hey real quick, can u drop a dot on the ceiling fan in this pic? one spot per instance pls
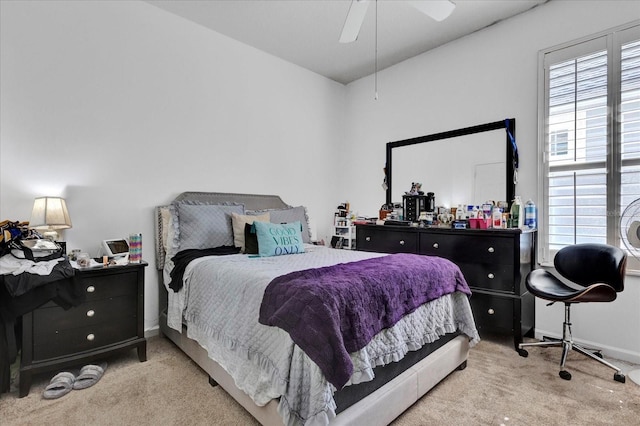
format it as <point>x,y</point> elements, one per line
<point>436,9</point>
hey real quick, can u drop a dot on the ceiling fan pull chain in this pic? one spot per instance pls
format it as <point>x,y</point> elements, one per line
<point>375,74</point>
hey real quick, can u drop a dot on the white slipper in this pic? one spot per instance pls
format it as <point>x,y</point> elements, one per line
<point>60,385</point>
<point>89,375</point>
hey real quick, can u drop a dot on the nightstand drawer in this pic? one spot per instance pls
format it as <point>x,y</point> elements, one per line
<point>107,286</point>
<point>74,341</point>
<point>101,313</point>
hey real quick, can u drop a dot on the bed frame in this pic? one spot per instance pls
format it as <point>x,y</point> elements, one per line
<point>381,406</point>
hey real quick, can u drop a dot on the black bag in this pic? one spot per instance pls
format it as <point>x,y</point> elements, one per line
<point>11,231</point>
<point>38,250</point>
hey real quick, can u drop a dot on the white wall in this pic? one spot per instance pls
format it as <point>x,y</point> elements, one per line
<point>486,77</point>
<point>119,106</point>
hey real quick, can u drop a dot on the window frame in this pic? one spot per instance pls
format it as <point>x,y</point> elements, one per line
<point>611,41</point>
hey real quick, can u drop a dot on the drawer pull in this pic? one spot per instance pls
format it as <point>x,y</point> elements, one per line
<point>491,311</point>
<point>491,276</point>
<point>91,337</point>
<point>368,239</point>
<point>91,313</point>
<point>436,245</point>
<point>491,250</point>
<point>91,289</point>
<point>401,242</point>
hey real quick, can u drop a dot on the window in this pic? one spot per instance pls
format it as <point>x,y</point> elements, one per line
<point>558,143</point>
<point>589,138</point>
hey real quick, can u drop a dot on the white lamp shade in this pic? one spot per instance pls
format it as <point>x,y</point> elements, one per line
<point>50,213</point>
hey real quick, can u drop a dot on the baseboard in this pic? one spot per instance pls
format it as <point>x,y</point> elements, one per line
<point>152,332</point>
<point>608,351</point>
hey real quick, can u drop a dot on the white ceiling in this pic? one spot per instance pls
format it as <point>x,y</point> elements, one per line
<point>306,32</point>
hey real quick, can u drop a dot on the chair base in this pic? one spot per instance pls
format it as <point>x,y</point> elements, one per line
<point>567,344</point>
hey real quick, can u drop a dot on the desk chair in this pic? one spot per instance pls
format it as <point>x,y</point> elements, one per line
<point>596,274</point>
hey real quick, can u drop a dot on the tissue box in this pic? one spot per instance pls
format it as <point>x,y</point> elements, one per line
<point>479,223</point>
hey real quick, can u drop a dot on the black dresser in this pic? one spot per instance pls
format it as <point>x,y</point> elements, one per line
<point>495,264</point>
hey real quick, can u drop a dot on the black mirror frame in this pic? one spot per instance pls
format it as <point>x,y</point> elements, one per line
<point>511,150</point>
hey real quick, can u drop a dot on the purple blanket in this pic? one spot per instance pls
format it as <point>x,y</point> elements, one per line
<point>332,311</point>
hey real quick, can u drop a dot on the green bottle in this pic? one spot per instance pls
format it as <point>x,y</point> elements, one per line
<point>517,214</point>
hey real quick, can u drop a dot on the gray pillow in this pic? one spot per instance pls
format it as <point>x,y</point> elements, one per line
<point>292,214</point>
<point>205,225</point>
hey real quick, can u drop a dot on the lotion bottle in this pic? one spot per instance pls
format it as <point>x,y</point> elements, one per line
<point>496,219</point>
<point>517,213</point>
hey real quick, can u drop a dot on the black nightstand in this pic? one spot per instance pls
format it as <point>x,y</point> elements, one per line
<point>111,319</point>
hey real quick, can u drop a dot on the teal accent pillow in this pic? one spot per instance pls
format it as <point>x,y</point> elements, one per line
<point>279,239</point>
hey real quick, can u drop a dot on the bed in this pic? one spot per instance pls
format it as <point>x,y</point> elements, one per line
<point>226,308</point>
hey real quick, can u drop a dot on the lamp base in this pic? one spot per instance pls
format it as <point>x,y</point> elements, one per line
<point>51,235</point>
<point>634,376</point>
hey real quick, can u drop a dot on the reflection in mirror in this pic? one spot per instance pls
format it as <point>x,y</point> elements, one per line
<point>467,169</point>
<point>464,166</point>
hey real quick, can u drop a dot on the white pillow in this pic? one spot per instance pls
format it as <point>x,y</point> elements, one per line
<point>238,221</point>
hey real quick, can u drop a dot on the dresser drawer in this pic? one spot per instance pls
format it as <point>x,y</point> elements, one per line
<point>493,313</point>
<point>99,314</point>
<point>490,276</point>
<point>81,339</point>
<point>468,248</point>
<point>379,240</point>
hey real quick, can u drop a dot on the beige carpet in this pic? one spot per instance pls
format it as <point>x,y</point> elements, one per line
<point>497,388</point>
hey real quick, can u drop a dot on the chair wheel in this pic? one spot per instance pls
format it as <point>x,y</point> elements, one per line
<point>565,375</point>
<point>619,377</point>
<point>523,353</point>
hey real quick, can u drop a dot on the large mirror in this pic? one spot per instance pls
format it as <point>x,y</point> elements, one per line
<point>464,166</point>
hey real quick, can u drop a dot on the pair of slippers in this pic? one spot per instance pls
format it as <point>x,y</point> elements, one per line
<point>62,383</point>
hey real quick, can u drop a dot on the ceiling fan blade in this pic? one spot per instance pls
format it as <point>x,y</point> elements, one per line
<point>436,9</point>
<point>355,17</point>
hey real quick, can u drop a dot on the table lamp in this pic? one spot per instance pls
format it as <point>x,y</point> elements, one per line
<point>49,215</point>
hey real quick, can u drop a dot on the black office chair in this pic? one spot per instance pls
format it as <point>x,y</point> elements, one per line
<point>596,274</point>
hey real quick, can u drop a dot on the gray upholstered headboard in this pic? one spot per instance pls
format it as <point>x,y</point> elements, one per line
<point>250,201</point>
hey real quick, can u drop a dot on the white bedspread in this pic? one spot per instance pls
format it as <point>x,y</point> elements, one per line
<point>220,301</point>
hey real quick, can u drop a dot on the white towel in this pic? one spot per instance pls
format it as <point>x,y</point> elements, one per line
<point>10,264</point>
